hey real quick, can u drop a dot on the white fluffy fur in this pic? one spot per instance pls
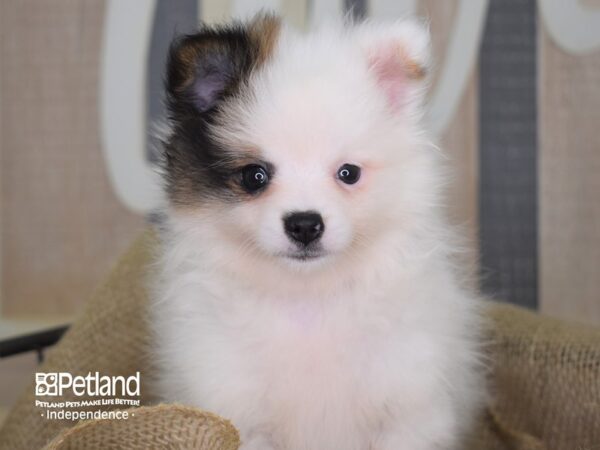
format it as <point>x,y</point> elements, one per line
<point>370,347</point>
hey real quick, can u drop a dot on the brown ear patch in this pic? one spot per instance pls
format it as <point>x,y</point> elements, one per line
<point>395,71</point>
<point>264,31</point>
<point>412,69</point>
<point>210,65</point>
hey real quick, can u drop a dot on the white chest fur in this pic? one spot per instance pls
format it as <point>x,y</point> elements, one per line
<point>350,371</point>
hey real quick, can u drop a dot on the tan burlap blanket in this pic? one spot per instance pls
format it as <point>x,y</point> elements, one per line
<point>544,378</point>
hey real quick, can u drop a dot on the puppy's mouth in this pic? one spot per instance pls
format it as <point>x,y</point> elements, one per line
<point>306,254</point>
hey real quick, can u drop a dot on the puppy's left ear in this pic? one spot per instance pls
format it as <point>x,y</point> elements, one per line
<point>398,57</point>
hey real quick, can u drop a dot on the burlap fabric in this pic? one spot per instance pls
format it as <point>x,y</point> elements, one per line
<point>544,376</point>
<point>544,380</point>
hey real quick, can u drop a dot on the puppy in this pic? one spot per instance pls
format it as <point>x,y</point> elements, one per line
<point>307,290</point>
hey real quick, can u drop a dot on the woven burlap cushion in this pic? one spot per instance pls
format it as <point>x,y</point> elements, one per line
<point>544,375</point>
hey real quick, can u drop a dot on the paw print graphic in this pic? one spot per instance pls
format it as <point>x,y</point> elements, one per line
<point>46,384</point>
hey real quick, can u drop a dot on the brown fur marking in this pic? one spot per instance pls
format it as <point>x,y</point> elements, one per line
<point>264,30</point>
<point>412,69</point>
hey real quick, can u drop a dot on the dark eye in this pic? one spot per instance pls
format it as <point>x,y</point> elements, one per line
<point>254,177</point>
<point>349,173</point>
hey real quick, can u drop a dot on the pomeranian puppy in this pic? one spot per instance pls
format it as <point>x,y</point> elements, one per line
<point>307,290</point>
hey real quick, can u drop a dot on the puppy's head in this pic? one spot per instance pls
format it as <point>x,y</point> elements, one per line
<point>299,151</point>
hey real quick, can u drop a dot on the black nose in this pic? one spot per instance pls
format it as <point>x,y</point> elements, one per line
<point>304,227</point>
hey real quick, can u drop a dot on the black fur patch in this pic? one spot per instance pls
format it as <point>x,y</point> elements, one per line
<point>203,70</point>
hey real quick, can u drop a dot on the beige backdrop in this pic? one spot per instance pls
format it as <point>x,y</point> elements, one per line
<point>569,182</point>
<point>62,226</point>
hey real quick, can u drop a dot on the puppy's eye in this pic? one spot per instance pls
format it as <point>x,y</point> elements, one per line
<point>349,173</point>
<point>254,177</point>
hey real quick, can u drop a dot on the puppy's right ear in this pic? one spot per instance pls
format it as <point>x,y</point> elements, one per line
<point>398,56</point>
<point>208,66</point>
<point>205,67</point>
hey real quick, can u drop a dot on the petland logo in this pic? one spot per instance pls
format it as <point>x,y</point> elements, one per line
<point>104,397</point>
<point>93,384</point>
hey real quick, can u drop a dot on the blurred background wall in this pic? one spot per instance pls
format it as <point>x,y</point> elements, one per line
<point>515,103</point>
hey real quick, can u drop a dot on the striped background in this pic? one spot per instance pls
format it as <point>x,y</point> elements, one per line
<point>523,142</point>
